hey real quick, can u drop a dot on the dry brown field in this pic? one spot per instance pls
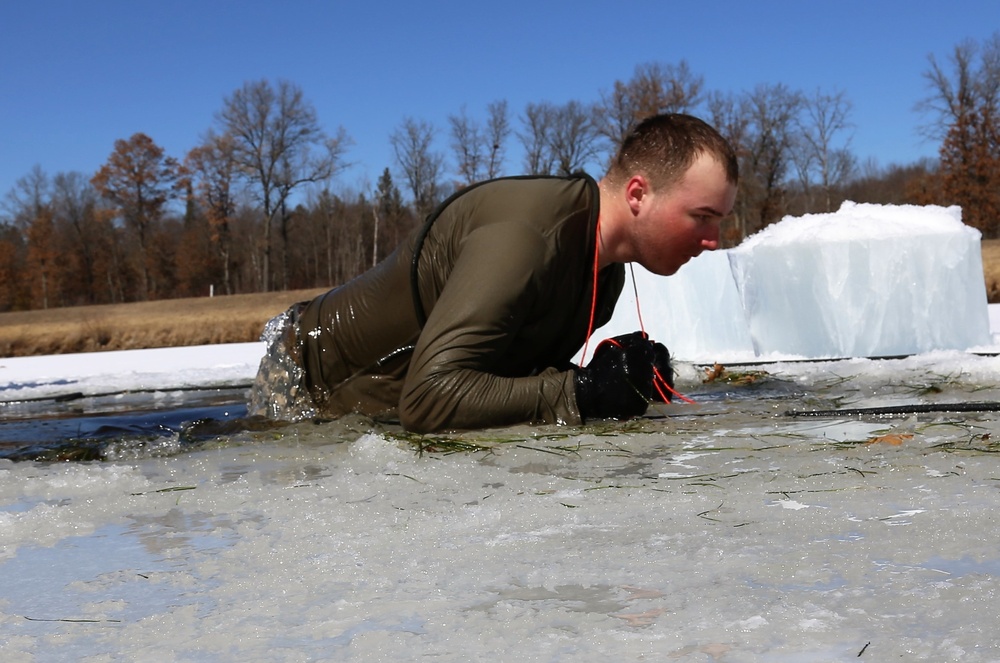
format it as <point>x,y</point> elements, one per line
<point>201,321</point>
<point>991,269</point>
<point>164,323</point>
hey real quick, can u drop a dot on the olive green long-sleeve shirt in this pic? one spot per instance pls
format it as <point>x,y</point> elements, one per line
<point>505,278</point>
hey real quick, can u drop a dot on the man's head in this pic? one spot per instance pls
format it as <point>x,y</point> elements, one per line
<point>666,193</point>
<point>663,147</point>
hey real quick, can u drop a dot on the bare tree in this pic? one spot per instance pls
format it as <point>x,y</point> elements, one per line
<point>419,164</point>
<point>964,113</point>
<point>815,153</point>
<point>324,206</point>
<point>497,132</point>
<point>27,197</point>
<point>653,89</point>
<point>29,206</point>
<point>75,202</point>
<point>537,121</point>
<point>971,86</point>
<point>467,143</point>
<point>389,210</point>
<point>480,150</point>
<point>279,147</point>
<point>573,139</point>
<point>213,168</point>
<point>729,113</point>
<point>558,140</point>
<point>772,113</point>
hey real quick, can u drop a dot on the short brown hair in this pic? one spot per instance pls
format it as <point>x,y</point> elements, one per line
<point>663,147</point>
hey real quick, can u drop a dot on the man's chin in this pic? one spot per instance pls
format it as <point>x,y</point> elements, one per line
<point>673,269</point>
<point>665,270</point>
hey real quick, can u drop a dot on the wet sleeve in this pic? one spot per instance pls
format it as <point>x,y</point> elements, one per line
<point>453,380</point>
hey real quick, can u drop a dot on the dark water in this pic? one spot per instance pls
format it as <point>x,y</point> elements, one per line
<point>142,423</point>
<point>154,423</point>
<point>79,427</point>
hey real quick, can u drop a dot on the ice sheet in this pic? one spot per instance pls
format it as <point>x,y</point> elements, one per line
<point>725,532</point>
<point>102,372</point>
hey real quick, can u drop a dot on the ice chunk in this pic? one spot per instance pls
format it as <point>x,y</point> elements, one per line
<point>865,281</point>
<point>696,313</point>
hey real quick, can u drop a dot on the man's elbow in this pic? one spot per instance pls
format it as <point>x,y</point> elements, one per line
<point>416,417</point>
<point>413,422</point>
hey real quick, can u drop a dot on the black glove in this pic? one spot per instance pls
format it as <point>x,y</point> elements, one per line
<point>663,374</point>
<point>618,382</point>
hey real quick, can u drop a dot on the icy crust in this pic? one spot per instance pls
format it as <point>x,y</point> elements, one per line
<point>862,222</point>
<point>161,369</point>
<point>42,506</point>
<point>727,532</point>
<point>392,557</point>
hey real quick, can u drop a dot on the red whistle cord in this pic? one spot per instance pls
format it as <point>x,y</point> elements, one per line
<point>659,382</point>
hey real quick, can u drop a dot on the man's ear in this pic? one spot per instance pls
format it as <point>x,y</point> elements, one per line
<point>636,191</point>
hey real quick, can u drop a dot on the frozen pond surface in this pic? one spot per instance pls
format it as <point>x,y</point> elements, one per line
<point>727,531</point>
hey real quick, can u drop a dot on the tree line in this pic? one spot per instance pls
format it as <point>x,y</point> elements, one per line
<point>254,207</point>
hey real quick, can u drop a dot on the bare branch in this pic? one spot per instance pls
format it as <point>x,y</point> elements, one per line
<point>467,143</point>
<point>497,133</point>
<point>420,165</point>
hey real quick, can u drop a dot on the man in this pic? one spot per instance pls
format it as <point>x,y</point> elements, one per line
<point>472,322</point>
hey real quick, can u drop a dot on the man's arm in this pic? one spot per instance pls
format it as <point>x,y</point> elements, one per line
<point>452,380</point>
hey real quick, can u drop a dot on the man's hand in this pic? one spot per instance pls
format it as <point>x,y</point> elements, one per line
<point>618,382</point>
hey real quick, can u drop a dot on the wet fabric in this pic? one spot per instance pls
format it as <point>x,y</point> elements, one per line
<point>505,278</point>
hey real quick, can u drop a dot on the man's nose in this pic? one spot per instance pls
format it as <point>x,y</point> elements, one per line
<point>710,241</point>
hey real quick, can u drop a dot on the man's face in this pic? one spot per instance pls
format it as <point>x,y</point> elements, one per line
<point>679,222</point>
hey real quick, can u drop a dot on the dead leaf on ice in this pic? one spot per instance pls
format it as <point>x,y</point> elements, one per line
<point>641,618</point>
<point>716,650</point>
<point>894,439</point>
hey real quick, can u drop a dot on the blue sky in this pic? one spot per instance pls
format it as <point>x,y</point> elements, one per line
<point>75,76</point>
